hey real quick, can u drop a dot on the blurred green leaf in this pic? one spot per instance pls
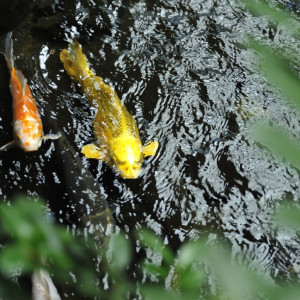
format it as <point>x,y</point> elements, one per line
<point>191,279</point>
<point>154,292</point>
<point>288,216</point>
<point>276,15</point>
<point>280,291</point>
<point>15,223</point>
<point>237,280</point>
<point>278,72</point>
<point>188,279</point>
<point>189,253</point>
<point>37,243</point>
<point>153,269</point>
<point>88,281</point>
<point>154,242</point>
<point>120,251</point>
<point>149,239</point>
<point>35,236</point>
<point>278,142</point>
<point>18,256</point>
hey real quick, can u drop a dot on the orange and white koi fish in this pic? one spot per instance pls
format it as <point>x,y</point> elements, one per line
<point>27,124</point>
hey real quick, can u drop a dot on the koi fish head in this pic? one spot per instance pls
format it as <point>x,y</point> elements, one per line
<point>28,134</point>
<point>127,156</point>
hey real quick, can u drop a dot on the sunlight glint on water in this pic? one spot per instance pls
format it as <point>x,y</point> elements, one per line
<point>180,71</point>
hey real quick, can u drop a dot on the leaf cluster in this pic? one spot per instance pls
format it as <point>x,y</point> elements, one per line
<point>279,70</point>
<point>32,242</point>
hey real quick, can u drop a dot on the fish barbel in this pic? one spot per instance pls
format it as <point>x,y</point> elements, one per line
<point>27,124</point>
<point>114,127</point>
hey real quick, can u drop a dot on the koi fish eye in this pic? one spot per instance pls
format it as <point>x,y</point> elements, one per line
<point>118,162</point>
<point>137,164</point>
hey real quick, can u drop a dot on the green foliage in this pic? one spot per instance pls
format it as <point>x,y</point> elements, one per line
<point>120,260</point>
<point>279,141</point>
<point>275,15</point>
<point>119,257</point>
<point>149,240</point>
<point>288,215</point>
<point>278,68</point>
<point>197,264</point>
<point>279,71</point>
<point>33,242</point>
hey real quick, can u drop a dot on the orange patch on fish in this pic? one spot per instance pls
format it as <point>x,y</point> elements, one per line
<point>27,121</point>
<point>28,128</point>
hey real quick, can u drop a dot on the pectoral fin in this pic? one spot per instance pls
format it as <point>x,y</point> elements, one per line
<point>8,145</point>
<point>52,136</point>
<point>92,151</point>
<point>150,148</point>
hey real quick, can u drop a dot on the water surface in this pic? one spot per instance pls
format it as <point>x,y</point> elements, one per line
<point>182,71</point>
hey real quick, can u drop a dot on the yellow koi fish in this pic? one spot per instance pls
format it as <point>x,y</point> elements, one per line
<point>115,129</point>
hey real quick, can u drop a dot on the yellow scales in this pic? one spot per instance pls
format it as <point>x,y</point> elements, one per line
<point>114,127</point>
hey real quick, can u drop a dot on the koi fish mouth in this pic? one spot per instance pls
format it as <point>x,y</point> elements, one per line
<point>31,146</point>
<point>129,172</point>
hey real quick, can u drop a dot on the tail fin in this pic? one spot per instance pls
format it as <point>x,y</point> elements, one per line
<point>75,62</point>
<point>9,56</point>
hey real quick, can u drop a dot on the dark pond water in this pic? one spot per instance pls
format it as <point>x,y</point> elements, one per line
<point>181,71</point>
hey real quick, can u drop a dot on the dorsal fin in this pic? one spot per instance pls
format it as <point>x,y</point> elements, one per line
<point>23,80</point>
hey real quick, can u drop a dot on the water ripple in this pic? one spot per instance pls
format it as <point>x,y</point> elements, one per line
<point>180,70</point>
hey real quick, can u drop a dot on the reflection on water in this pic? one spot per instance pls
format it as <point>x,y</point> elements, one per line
<point>180,71</point>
